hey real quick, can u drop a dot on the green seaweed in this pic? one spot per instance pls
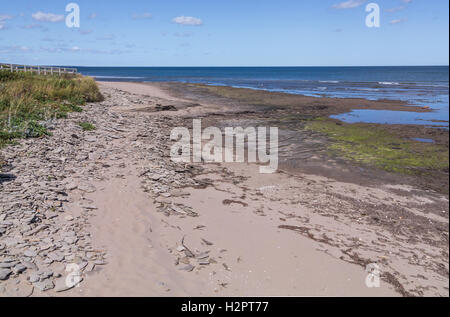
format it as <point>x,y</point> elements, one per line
<point>375,147</point>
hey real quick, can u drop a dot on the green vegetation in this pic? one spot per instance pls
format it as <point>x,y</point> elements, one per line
<point>86,126</point>
<point>375,147</point>
<point>27,100</point>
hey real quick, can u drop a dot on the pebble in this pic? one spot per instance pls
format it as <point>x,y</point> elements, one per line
<point>4,273</point>
<point>188,268</point>
<point>179,193</point>
<point>88,188</point>
<point>56,256</point>
<point>34,277</point>
<point>202,256</point>
<point>90,267</point>
<point>207,242</point>
<point>71,186</point>
<point>71,240</point>
<point>30,265</point>
<point>8,265</point>
<point>44,285</point>
<point>68,218</point>
<point>19,268</point>
<point>30,253</point>
<point>82,265</point>
<point>180,248</point>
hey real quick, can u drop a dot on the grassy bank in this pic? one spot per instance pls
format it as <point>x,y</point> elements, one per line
<point>376,147</point>
<point>28,100</point>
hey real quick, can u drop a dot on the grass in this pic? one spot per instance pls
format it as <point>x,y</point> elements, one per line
<point>375,147</point>
<point>28,100</point>
<point>86,126</point>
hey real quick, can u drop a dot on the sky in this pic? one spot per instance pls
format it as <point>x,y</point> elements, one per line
<point>224,33</point>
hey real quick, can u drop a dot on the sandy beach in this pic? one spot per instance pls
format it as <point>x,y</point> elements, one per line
<point>138,224</point>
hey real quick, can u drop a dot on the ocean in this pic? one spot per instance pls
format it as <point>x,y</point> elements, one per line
<point>418,85</point>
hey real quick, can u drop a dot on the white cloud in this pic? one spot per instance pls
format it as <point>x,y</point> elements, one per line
<point>60,49</point>
<point>397,21</point>
<point>24,48</point>
<point>349,4</point>
<point>92,16</point>
<point>47,17</point>
<point>187,20</point>
<point>15,49</point>
<point>3,18</point>
<point>400,8</point>
<point>142,16</point>
<point>76,49</point>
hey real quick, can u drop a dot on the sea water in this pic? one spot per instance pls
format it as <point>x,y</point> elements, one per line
<point>425,86</point>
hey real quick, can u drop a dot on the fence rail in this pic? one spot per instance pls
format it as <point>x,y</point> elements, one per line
<point>44,70</point>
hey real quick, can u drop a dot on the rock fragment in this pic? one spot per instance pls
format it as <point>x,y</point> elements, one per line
<point>4,274</point>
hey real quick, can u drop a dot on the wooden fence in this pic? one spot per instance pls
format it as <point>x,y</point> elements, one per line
<point>41,70</point>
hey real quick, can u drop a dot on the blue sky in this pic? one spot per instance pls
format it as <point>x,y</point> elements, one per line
<point>225,33</point>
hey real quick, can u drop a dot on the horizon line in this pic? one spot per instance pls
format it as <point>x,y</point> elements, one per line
<point>124,66</point>
<point>228,66</point>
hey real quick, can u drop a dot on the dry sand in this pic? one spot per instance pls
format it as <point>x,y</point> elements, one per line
<point>254,257</point>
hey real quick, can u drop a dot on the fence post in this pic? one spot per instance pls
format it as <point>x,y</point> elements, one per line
<point>11,67</point>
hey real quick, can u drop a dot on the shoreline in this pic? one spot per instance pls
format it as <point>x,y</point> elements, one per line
<point>385,104</point>
<point>155,228</point>
<point>293,114</point>
<point>393,103</point>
